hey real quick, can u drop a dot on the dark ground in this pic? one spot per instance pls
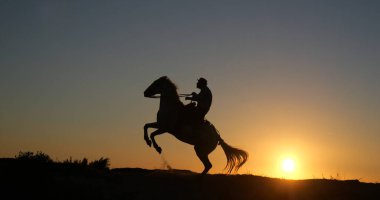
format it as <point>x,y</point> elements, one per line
<point>20,179</point>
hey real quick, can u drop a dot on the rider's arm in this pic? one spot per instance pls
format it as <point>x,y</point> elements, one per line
<point>194,97</point>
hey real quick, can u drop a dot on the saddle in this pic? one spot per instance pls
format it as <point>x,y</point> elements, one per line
<point>192,119</point>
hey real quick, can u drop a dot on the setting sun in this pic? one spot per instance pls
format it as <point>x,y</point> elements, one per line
<point>288,165</point>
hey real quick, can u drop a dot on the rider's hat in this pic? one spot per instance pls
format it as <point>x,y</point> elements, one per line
<point>202,81</point>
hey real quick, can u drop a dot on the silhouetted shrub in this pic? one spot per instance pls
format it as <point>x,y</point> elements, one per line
<point>30,156</point>
<point>102,164</point>
<point>82,163</point>
<point>40,157</point>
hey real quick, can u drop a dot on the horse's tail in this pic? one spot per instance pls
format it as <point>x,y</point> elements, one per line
<point>235,157</point>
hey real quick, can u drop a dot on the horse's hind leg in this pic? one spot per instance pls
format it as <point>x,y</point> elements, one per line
<point>146,126</point>
<point>155,145</point>
<point>202,154</point>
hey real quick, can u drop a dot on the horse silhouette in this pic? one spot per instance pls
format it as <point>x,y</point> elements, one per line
<point>175,118</point>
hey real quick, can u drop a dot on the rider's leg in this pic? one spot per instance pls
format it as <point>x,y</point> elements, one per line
<point>202,114</point>
<point>146,126</point>
<point>199,115</point>
<point>155,145</point>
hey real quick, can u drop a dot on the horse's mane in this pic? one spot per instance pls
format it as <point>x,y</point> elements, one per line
<point>172,87</point>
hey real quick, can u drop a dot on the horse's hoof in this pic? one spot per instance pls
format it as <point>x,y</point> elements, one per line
<point>149,143</point>
<point>159,150</point>
<point>205,171</point>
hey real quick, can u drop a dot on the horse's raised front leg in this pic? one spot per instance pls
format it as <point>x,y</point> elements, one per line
<point>146,126</point>
<point>155,145</point>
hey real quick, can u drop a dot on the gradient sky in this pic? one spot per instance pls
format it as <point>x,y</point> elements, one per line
<point>293,79</point>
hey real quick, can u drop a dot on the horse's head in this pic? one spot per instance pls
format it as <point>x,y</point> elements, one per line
<point>160,86</point>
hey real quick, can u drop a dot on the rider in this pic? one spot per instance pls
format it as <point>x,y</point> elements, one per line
<point>203,99</point>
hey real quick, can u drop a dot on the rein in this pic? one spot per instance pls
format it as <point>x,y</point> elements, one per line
<point>179,95</point>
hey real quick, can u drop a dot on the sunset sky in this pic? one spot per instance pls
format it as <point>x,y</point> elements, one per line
<point>295,80</point>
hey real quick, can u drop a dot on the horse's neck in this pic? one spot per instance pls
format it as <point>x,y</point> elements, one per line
<point>169,102</point>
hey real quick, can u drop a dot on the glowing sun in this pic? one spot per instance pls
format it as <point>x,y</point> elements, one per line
<point>288,165</point>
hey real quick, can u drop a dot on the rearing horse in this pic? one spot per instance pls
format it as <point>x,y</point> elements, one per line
<point>173,118</point>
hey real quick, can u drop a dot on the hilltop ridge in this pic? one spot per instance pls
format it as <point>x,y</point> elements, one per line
<point>26,179</point>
